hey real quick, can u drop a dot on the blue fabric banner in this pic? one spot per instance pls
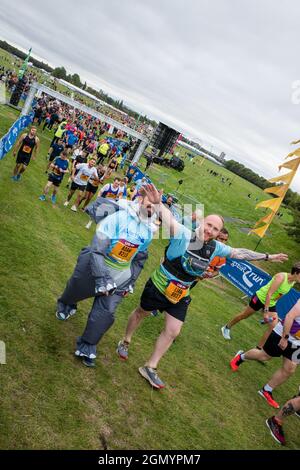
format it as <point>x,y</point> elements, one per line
<point>248,278</point>
<point>9,139</point>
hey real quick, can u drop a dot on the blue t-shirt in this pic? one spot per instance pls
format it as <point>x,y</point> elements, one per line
<point>57,149</point>
<point>177,247</point>
<point>62,164</point>
<point>128,236</point>
<point>72,139</point>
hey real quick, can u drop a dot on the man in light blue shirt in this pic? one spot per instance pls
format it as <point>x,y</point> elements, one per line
<point>108,269</point>
<point>186,258</point>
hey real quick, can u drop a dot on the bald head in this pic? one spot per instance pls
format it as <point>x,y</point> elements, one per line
<point>212,226</point>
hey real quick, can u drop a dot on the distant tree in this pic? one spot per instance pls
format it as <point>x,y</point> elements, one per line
<point>76,80</point>
<point>60,72</point>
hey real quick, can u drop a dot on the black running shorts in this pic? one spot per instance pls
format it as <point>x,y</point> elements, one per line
<point>272,349</point>
<point>54,180</point>
<point>75,186</point>
<point>23,158</point>
<point>256,304</point>
<point>153,299</point>
<point>90,188</point>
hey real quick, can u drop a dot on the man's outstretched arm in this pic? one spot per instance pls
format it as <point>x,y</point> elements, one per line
<point>249,255</point>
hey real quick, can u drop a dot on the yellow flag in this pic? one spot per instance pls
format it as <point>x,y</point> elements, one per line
<point>261,230</point>
<point>286,178</point>
<point>266,219</point>
<point>272,204</point>
<point>277,190</point>
<point>295,152</point>
<point>292,164</point>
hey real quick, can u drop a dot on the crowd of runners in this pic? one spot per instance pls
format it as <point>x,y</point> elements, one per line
<point>128,216</point>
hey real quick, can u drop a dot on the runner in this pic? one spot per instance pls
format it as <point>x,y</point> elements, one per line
<point>283,341</point>
<point>27,146</point>
<point>265,299</point>
<point>274,423</point>
<point>108,269</point>
<point>85,171</point>
<point>58,169</point>
<point>111,190</point>
<point>112,165</point>
<point>54,151</point>
<point>102,151</point>
<point>123,188</point>
<point>92,186</point>
<point>186,259</point>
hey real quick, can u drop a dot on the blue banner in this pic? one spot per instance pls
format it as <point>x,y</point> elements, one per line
<point>248,279</point>
<point>9,139</point>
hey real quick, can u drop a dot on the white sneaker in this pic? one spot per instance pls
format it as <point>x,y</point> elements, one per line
<point>226,332</point>
<point>89,224</point>
<point>74,208</point>
<point>66,203</point>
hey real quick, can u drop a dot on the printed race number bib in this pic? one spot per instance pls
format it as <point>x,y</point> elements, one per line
<point>26,149</point>
<point>84,177</point>
<point>175,291</point>
<point>95,183</point>
<point>123,251</point>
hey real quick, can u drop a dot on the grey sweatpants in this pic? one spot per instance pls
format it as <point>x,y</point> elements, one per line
<point>81,286</point>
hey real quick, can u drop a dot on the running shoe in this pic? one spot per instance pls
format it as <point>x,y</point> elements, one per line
<point>66,203</point>
<point>88,362</point>
<point>42,197</point>
<point>276,430</point>
<point>150,374</point>
<point>226,332</point>
<point>268,397</point>
<point>53,198</point>
<point>236,361</point>
<point>122,350</point>
<point>65,315</point>
<point>74,208</point>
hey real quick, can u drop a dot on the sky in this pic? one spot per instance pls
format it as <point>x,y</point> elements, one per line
<point>223,72</point>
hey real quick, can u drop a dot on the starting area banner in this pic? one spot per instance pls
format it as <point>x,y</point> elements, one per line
<point>9,139</point>
<point>249,279</point>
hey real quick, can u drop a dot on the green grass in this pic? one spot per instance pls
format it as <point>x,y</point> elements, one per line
<point>49,400</point>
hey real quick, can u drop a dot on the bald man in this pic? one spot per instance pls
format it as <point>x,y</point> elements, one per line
<point>186,259</point>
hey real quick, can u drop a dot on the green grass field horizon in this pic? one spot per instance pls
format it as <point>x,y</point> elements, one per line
<point>50,401</point>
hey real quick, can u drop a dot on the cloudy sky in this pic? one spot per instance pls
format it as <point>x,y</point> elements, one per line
<point>221,71</point>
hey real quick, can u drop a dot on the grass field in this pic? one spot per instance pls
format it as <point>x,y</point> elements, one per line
<point>49,400</point>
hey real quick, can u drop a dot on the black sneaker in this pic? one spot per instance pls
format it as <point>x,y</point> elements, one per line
<point>276,430</point>
<point>88,362</point>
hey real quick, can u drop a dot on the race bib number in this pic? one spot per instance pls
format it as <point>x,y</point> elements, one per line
<point>95,183</point>
<point>84,177</point>
<point>56,171</point>
<point>26,149</point>
<point>111,195</point>
<point>175,291</point>
<point>123,251</point>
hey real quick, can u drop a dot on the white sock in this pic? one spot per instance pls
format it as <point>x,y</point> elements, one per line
<point>267,388</point>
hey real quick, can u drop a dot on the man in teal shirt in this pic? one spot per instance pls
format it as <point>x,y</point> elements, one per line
<point>186,258</point>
